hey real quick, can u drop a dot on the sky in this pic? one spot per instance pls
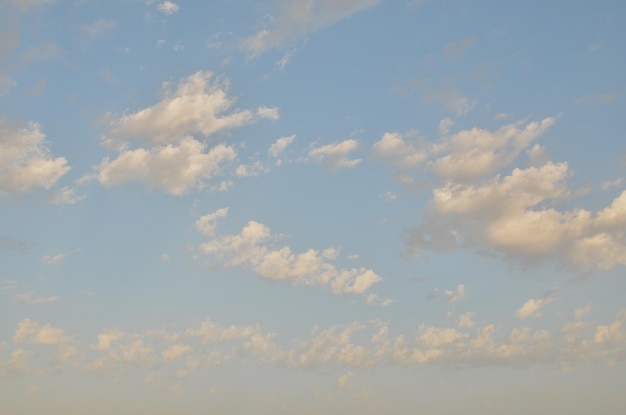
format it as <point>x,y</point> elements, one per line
<point>312,207</point>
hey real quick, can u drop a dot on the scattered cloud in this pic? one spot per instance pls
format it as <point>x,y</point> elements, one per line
<point>583,311</point>
<point>277,148</point>
<point>451,296</point>
<point>207,225</point>
<point>466,321</point>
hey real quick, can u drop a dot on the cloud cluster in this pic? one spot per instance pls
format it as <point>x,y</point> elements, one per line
<point>178,157</point>
<point>25,160</point>
<point>356,345</point>
<point>254,248</point>
<point>475,206</point>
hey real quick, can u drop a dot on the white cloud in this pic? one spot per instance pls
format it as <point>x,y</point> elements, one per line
<point>200,104</point>
<point>176,169</point>
<point>31,332</point>
<point>335,156</point>
<point>277,148</point>
<point>168,7</point>
<point>299,18</point>
<point>206,225</point>
<point>98,29</point>
<point>253,248</point>
<point>476,152</point>
<point>250,170</point>
<point>531,308</point>
<point>270,113</point>
<point>25,159</point>
<point>65,196</point>
<point>405,155</point>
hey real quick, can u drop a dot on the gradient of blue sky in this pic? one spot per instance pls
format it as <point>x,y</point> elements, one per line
<point>349,206</point>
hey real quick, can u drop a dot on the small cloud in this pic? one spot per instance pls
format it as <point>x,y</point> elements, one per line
<point>353,257</point>
<point>389,196</point>
<point>55,259</point>
<point>65,196</point>
<point>178,47</point>
<point>160,43</point>
<point>335,155</point>
<point>454,295</point>
<point>531,308</point>
<point>277,148</point>
<point>270,113</point>
<point>168,8</point>
<point>612,184</point>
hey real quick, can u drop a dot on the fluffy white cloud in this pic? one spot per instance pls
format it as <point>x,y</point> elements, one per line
<point>31,332</point>
<point>465,320</point>
<point>473,153</point>
<point>175,168</point>
<point>335,156</point>
<point>295,19</point>
<point>168,7</point>
<point>254,248</point>
<point>199,104</point>
<point>25,159</point>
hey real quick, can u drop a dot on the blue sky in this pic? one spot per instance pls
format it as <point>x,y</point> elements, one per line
<point>350,207</point>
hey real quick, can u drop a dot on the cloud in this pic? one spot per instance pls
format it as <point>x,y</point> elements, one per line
<point>31,332</point>
<point>531,308</point>
<point>65,196</point>
<point>28,299</point>
<point>199,105</point>
<point>25,160</point>
<point>206,224</point>
<point>335,156</point>
<point>176,169</point>
<point>456,50</point>
<point>477,152</point>
<point>451,296</point>
<point>55,259</point>
<point>168,8</point>
<point>295,19</point>
<point>98,29</point>
<point>254,248</point>
<point>175,351</point>
<point>277,148</point>
<point>343,380</point>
